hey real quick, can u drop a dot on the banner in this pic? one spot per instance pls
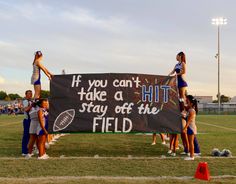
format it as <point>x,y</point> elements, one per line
<point>111,102</point>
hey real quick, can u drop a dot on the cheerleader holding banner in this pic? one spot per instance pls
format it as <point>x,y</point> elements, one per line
<point>180,71</point>
<point>36,76</point>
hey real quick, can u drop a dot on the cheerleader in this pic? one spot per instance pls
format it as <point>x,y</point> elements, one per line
<point>180,71</point>
<point>190,127</point>
<point>36,76</point>
<point>42,128</point>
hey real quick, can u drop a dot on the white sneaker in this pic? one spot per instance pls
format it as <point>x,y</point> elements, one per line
<point>164,142</point>
<point>28,156</point>
<point>197,154</point>
<point>23,154</point>
<point>44,157</point>
<point>189,158</point>
<point>173,154</point>
<point>169,152</point>
<point>153,143</point>
<point>183,153</point>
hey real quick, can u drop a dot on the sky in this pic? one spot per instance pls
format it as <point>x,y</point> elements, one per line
<point>117,36</point>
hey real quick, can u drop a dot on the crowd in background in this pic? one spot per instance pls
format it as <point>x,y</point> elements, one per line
<point>12,108</point>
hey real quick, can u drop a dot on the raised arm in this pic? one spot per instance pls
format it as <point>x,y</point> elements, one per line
<point>45,70</point>
<point>172,72</point>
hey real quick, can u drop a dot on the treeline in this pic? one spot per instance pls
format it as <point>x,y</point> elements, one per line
<point>223,99</point>
<point>14,96</point>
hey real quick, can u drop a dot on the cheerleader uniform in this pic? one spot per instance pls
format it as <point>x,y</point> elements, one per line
<point>34,120</point>
<point>180,80</point>
<point>192,128</point>
<point>36,76</point>
<point>45,123</point>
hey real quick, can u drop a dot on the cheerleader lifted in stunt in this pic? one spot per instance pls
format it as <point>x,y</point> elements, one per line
<point>36,76</point>
<point>180,71</point>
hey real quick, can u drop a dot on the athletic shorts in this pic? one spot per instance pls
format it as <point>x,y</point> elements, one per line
<point>190,131</point>
<point>181,82</point>
<point>36,80</point>
<point>40,130</point>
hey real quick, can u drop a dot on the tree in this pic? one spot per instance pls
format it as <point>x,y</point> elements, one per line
<point>3,95</point>
<point>223,99</point>
<point>13,96</point>
<point>45,94</point>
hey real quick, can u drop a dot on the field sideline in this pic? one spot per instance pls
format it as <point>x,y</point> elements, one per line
<point>116,158</point>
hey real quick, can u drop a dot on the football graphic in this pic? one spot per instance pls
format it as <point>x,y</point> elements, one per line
<point>63,120</point>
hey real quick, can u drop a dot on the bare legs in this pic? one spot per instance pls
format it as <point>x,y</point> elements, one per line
<point>191,145</point>
<point>37,91</point>
<point>41,144</point>
<point>32,140</point>
<point>154,138</point>
<point>182,98</point>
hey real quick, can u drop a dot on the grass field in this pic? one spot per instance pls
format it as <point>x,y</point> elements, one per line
<point>116,158</point>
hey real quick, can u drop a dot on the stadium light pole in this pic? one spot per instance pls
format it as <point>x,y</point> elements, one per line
<point>219,22</point>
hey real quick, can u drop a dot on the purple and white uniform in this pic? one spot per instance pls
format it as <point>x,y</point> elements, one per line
<point>36,76</point>
<point>181,81</point>
<point>192,128</point>
<point>45,122</point>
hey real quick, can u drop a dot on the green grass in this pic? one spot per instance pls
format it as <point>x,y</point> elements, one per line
<point>116,145</point>
<point>113,181</point>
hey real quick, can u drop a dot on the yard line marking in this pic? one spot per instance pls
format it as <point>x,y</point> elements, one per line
<point>226,128</point>
<point>149,178</point>
<point>129,157</point>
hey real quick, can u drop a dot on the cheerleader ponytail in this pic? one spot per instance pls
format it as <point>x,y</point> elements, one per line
<point>194,102</point>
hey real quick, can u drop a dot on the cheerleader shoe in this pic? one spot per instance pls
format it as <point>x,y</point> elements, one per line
<point>173,154</point>
<point>44,157</point>
<point>28,156</point>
